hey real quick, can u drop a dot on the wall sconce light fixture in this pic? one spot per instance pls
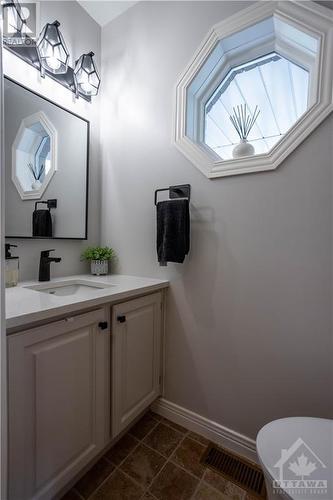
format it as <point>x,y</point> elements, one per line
<point>49,54</point>
<point>86,77</point>
<point>52,51</point>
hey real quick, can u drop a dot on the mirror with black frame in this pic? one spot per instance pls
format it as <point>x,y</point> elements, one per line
<point>46,159</point>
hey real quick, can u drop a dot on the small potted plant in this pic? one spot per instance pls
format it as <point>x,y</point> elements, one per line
<point>99,258</point>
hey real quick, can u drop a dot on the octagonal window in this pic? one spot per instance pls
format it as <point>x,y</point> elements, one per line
<point>34,156</point>
<point>272,88</point>
<point>257,86</point>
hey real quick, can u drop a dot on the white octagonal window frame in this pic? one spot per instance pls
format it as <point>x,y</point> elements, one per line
<point>310,18</point>
<point>36,118</point>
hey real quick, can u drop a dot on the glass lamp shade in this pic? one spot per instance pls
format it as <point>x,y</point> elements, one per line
<point>86,77</point>
<point>16,21</point>
<point>52,51</point>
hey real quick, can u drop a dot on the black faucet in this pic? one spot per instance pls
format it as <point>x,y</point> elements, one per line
<point>44,264</point>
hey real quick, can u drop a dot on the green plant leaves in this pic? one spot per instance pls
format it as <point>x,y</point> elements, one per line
<point>98,253</point>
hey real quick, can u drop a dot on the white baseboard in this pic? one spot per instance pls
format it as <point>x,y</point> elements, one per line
<point>234,441</point>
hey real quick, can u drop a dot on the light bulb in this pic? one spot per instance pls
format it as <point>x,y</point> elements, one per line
<point>53,62</point>
<point>85,86</point>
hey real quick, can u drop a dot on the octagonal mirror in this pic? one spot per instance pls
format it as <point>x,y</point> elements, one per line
<point>34,154</point>
<point>258,85</point>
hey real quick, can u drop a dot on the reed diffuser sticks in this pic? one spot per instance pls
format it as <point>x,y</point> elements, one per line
<point>243,121</point>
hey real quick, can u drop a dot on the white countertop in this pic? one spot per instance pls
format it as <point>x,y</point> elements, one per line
<point>24,306</point>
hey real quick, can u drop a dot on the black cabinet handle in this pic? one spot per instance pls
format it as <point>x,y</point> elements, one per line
<point>103,325</point>
<point>121,319</point>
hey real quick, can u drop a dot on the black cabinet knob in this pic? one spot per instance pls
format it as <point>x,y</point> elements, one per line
<point>103,325</point>
<point>121,319</point>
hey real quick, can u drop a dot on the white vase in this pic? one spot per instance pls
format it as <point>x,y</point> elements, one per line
<point>244,148</point>
<point>36,185</point>
<point>99,267</point>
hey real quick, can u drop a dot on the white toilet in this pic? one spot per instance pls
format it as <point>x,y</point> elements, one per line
<point>296,455</point>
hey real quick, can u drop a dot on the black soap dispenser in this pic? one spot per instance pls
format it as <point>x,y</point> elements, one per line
<point>12,267</point>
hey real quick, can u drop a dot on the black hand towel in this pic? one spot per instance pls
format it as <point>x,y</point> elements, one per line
<point>42,223</point>
<point>173,230</point>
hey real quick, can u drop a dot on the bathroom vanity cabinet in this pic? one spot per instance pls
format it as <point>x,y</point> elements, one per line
<point>136,358</point>
<point>58,402</point>
<point>75,384</point>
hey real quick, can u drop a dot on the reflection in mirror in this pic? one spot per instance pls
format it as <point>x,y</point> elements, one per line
<point>46,161</point>
<point>34,156</point>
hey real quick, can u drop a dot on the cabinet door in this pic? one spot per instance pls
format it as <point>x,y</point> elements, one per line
<point>136,353</point>
<point>58,403</point>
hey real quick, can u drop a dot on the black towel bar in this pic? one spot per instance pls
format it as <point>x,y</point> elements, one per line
<point>50,203</point>
<point>181,191</point>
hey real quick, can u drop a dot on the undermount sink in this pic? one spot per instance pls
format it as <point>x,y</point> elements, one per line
<point>69,287</point>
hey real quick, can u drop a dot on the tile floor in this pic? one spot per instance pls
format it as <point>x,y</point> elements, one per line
<point>156,460</point>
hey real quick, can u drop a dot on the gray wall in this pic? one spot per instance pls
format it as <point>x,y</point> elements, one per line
<point>81,34</point>
<point>249,333</point>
